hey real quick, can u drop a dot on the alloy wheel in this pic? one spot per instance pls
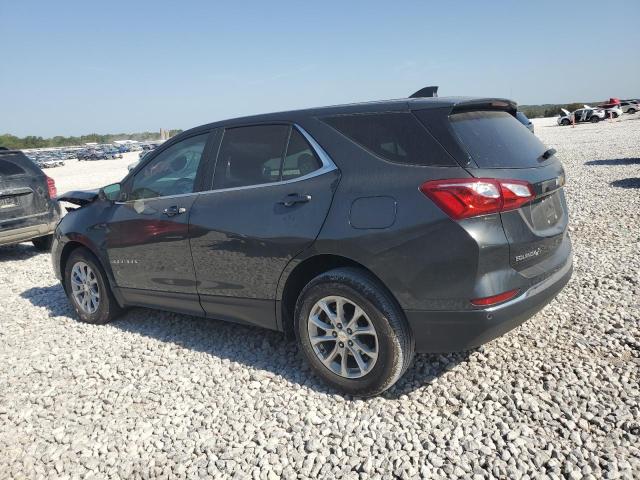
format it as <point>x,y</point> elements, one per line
<point>343,337</point>
<point>85,288</point>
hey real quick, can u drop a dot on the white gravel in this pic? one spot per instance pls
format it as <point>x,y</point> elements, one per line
<point>163,395</point>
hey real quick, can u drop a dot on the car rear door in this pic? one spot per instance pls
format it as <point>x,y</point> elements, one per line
<point>271,193</point>
<point>147,240</point>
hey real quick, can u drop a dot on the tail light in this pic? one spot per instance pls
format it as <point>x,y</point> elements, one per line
<point>470,197</point>
<point>495,299</point>
<point>51,187</point>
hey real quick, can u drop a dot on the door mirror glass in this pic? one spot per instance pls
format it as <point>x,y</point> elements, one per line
<point>111,192</point>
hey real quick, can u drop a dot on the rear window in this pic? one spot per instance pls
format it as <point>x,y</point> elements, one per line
<point>8,168</point>
<point>397,137</point>
<point>496,139</point>
<point>12,163</point>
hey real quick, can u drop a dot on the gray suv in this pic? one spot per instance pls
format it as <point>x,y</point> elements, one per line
<point>367,231</point>
<point>28,209</point>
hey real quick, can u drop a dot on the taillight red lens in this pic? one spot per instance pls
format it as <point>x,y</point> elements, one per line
<point>515,193</point>
<point>469,197</point>
<point>51,187</point>
<point>494,299</point>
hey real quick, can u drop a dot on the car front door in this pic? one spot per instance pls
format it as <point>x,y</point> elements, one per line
<point>272,190</point>
<point>148,235</point>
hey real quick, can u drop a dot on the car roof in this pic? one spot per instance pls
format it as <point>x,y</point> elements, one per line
<point>401,104</point>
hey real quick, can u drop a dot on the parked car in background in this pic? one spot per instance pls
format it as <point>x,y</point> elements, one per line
<point>586,114</point>
<point>611,111</point>
<point>28,209</point>
<point>630,106</point>
<point>523,119</point>
<point>368,231</point>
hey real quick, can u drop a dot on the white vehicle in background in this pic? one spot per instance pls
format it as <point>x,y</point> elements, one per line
<point>612,111</point>
<point>630,106</point>
<point>586,114</point>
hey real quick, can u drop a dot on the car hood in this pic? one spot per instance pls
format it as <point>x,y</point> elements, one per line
<point>79,197</point>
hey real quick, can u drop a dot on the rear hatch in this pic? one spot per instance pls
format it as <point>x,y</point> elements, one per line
<point>491,143</point>
<point>23,191</point>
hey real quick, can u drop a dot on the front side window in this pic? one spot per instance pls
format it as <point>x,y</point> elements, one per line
<point>171,172</point>
<point>250,156</point>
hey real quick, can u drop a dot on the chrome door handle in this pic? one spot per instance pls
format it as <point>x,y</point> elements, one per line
<point>173,210</point>
<point>292,199</point>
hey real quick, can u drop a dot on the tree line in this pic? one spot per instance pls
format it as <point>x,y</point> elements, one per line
<point>14,143</point>
<point>550,109</point>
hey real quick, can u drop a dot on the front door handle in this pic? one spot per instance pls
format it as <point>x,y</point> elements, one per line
<point>293,198</point>
<point>173,210</point>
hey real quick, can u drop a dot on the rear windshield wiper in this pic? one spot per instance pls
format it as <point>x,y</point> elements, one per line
<point>547,154</point>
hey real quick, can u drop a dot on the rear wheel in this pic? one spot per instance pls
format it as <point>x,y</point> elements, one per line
<point>43,244</point>
<point>631,111</point>
<point>88,289</point>
<point>595,119</point>
<point>352,332</point>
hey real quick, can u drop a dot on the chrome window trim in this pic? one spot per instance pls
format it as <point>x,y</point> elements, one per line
<point>325,160</point>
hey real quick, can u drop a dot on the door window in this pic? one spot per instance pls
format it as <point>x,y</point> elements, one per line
<point>300,159</point>
<point>171,172</point>
<point>250,156</point>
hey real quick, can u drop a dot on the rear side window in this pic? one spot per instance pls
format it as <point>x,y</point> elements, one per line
<point>496,139</point>
<point>250,156</point>
<point>300,159</point>
<point>394,136</point>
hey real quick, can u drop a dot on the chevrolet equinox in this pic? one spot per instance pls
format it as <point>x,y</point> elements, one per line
<point>369,231</point>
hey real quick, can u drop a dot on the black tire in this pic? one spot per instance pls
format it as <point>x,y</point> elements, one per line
<point>614,114</point>
<point>595,119</point>
<point>631,111</point>
<point>565,122</point>
<point>108,308</point>
<point>43,244</point>
<point>396,344</point>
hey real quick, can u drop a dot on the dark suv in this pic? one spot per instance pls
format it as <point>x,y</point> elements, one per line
<point>369,231</point>
<point>28,210</point>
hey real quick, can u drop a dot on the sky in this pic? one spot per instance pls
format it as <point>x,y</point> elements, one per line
<point>76,67</point>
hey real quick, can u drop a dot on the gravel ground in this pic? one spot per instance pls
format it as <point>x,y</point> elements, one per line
<point>164,395</point>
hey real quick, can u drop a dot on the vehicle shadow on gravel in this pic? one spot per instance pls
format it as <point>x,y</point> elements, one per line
<point>18,252</point>
<point>260,348</point>
<point>615,161</point>
<point>626,183</point>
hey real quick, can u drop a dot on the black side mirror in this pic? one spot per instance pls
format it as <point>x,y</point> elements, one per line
<point>110,192</point>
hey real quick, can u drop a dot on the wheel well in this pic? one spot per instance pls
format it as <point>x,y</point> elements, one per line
<point>64,256</point>
<point>302,274</point>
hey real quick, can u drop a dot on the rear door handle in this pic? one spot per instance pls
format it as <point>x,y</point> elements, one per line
<point>173,210</point>
<point>293,198</point>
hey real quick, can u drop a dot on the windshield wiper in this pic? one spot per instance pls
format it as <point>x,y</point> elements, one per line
<point>547,154</point>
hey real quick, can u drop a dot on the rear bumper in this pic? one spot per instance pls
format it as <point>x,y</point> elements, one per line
<point>24,234</point>
<point>454,331</point>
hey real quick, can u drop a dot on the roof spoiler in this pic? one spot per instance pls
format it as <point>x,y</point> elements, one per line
<point>486,104</point>
<point>425,92</point>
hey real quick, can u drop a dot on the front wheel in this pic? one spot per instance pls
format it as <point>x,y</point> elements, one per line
<point>565,122</point>
<point>88,289</point>
<point>352,332</point>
